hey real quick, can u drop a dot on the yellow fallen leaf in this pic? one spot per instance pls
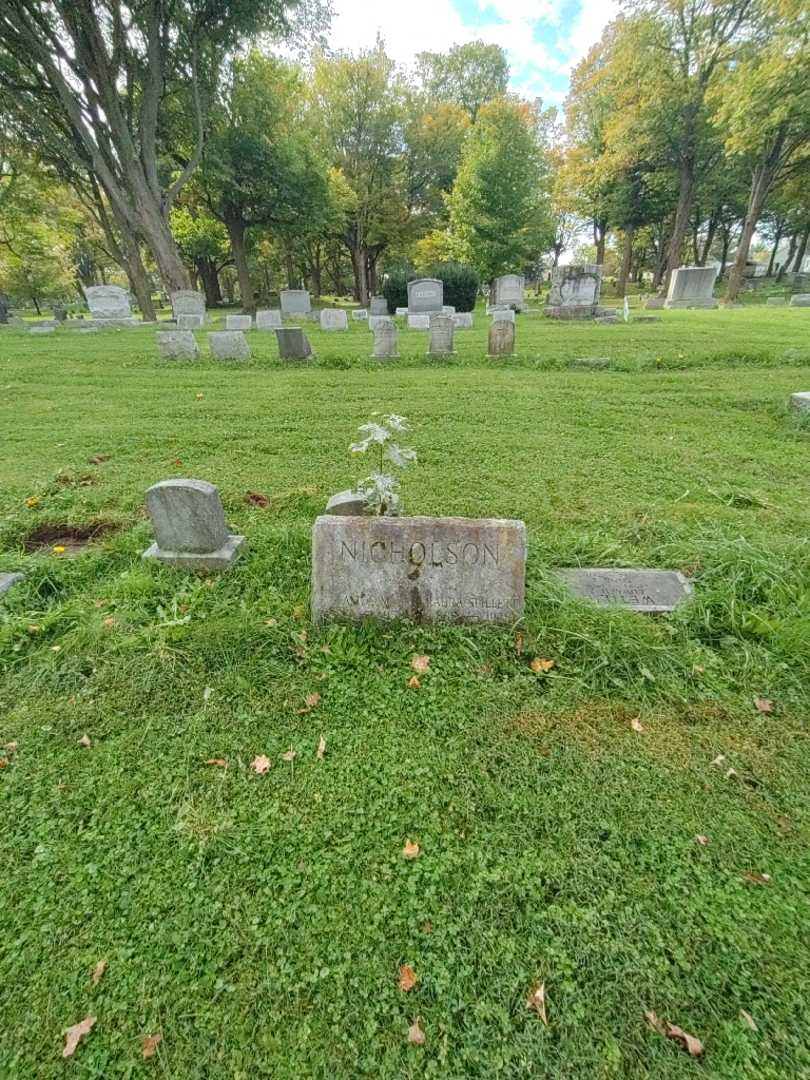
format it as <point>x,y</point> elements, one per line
<point>690,1043</point>
<point>636,725</point>
<point>703,840</point>
<point>540,665</point>
<point>150,1044</point>
<point>290,756</point>
<point>756,878</point>
<point>58,549</point>
<point>748,1019</point>
<point>411,850</point>
<point>32,502</point>
<point>98,971</point>
<point>537,1000</point>
<point>407,978</point>
<point>86,742</point>
<point>420,664</point>
<point>260,764</point>
<point>75,1034</point>
<point>219,761</point>
<point>415,1033</point>
<point>763,705</point>
<point>311,700</point>
<point>413,683</point>
<point>321,748</point>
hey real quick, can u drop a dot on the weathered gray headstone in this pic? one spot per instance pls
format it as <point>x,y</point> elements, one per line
<point>295,302</point>
<point>375,321</point>
<point>268,319</point>
<point>503,315</point>
<point>574,291</point>
<point>347,504</point>
<point>460,570</point>
<point>177,345</point>
<point>508,289</point>
<point>293,343</point>
<point>425,296</point>
<point>655,303</point>
<point>776,301</point>
<point>238,322</point>
<point>801,401</point>
<point>334,319</point>
<point>190,322</point>
<point>7,581</point>
<point>378,305</point>
<point>360,315</point>
<point>108,302</point>
<point>800,300</point>
<point>448,309</point>
<point>43,329</point>
<point>441,335</point>
<point>401,312</point>
<point>418,322</point>
<point>651,591</point>
<point>188,302</point>
<point>501,340</point>
<point>189,524</point>
<point>386,340</point>
<point>463,320</point>
<point>692,287</point>
<point>228,345</point>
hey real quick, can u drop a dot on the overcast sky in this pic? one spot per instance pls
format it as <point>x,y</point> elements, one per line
<point>542,38</point>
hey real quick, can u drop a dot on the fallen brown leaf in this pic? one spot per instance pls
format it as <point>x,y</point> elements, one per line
<point>75,1034</point>
<point>319,753</point>
<point>407,978</point>
<point>763,705</point>
<point>748,1019</point>
<point>540,665</point>
<point>260,764</point>
<point>537,1000</point>
<point>415,1033</point>
<point>690,1043</point>
<point>86,742</point>
<point>150,1044</point>
<point>10,747</point>
<point>312,700</point>
<point>219,761</point>
<point>637,725</point>
<point>98,971</point>
<point>411,850</point>
<point>98,459</point>
<point>413,683</point>
<point>255,498</point>
<point>703,840</point>
<point>290,756</point>
<point>3,762</point>
<point>655,1022</point>
<point>420,664</point>
<point>756,878</point>
<point>519,643</point>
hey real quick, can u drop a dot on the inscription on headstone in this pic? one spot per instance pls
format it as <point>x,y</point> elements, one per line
<point>441,335</point>
<point>108,302</point>
<point>334,319</point>
<point>501,338</point>
<point>425,296</point>
<point>650,591</point>
<point>508,289</point>
<point>386,340</point>
<point>461,570</point>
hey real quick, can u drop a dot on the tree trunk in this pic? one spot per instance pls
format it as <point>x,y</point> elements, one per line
<point>207,273</point>
<point>627,260</point>
<point>683,212</point>
<point>724,252</point>
<point>802,252</point>
<point>777,241</point>
<point>289,262</point>
<point>154,229</point>
<point>761,182</point>
<point>236,234</point>
<point>139,281</point>
<point>360,267</point>
<point>711,232</point>
<point>599,236</point>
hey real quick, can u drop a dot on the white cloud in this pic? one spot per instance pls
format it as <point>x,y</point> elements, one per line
<point>587,27</point>
<point>407,28</point>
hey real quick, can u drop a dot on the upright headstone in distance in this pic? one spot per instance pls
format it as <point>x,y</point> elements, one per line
<point>692,287</point>
<point>418,322</point>
<point>295,302</point>
<point>378,305</point>
<point>293,343</point>
<point>379,320</point>
<point>360,315</point>
<point>268,319</point>
<point>649,591</point>
<point>463,320</point>
<point>503,315</point>
<point>238,322</point>
<point>776,301</point>
<point>228,345</point>
<point>401,312</point>
<point>425,296</point>
<point>334,319</point>
<point>189,524</point>
<point>441,335</point>
<point>347,504</point>
<point>177,345</point>
<point>189,322</point>
<point>386,340</point>
<point>797,300</point>
<point>501,338</point>
<point>189,303</point>
<point>574,292</point>
<point>109,303</point>
<point>457,570</point>
<point>508,290</point>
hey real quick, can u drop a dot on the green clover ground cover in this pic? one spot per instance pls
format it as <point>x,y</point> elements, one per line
<point>258,922</point>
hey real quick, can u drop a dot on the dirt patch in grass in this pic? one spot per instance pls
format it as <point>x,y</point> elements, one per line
<point>73,538</point>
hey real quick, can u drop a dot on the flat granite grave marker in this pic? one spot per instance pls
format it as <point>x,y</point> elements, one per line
<point>334,319</point>
<point>295,302</point>
<point>189,322</point>
<point>425,296</point>
<point>459,570</point>
<point>228,345</point>
<point>268,319</point>
<point>189,524</point>
<point>238,322</point>
<point>776,301</point>
<point>441,335</point>
<point>177,345</point>
<point>293,343</point>
<point>501,340</point>
<point>649,591</point>
<point>386,340</point>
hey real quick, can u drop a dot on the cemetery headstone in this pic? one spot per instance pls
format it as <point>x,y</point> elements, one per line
<point>268,319</point>
<point>575,292</point>
<point>295,302</point>
<point>359,315</point>
<point>425,296</point>
<point>109,303</point>
<point>801,401</point>
<point>648,591</point>
<point>448,309</point>
<point>501,340</point>
<point>776,301</point>
<point>418,322</point>
<point>347,504</point>
<point>44,328</point>
<point>692,287</point>
<point>655,303</point>
<point>177,345</point>
<point>228,345</point>
<point>190,304</point>
<point>441,335</point>
<point>401,312</point>
<point>238,322</point>
<point>374,321</point>
<point>386,340</point>
<point>7,581</point>
<point>503,315</point>
<point>59,313</point>
<point>797,300</point>
<point>508,290</point>
<point>378,305</point>
<point>293,343</point>
<point>463,320</point>
<point>457,570</point>
<point>189,525</point>
<point>334,319</point>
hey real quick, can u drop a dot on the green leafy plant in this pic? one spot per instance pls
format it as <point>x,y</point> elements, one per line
<point>381,488</point>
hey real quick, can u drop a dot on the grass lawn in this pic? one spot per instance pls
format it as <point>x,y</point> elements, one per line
<point>259,922</point>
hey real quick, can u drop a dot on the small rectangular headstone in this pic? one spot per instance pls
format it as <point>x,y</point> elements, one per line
<point>334,319</point>
<point>189,524</point>
<point>238,322</point>
<point>418,322</point>
<point>401,312</point>
<point>649,591</point>
<point>188,302</point>
<point>177,345</point>
<point>108,302</point>
<point>386,339</point>
<point>228,345</point>
<point>448,309</point>
<point>775,301</point>
<point>375,321</point>
<point>347,504</point>
<point>442,328</point>
<point>800,300</point>
<point>425,295</point>
<point>457,570</point>
<point>293,343</point>
<point>378,305</point>
<point>463,320</point>
<point>359,315</point>
<point>501,340</point>
<point>43,329</point>
<point>268,319</point>
<point>295,302</point>
<point>692,287</point>
<point>190,322</point>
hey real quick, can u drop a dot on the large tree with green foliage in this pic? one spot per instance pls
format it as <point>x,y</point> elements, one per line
<point>469,75</point>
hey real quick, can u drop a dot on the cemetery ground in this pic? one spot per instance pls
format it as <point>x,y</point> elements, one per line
<point>625,823</point>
